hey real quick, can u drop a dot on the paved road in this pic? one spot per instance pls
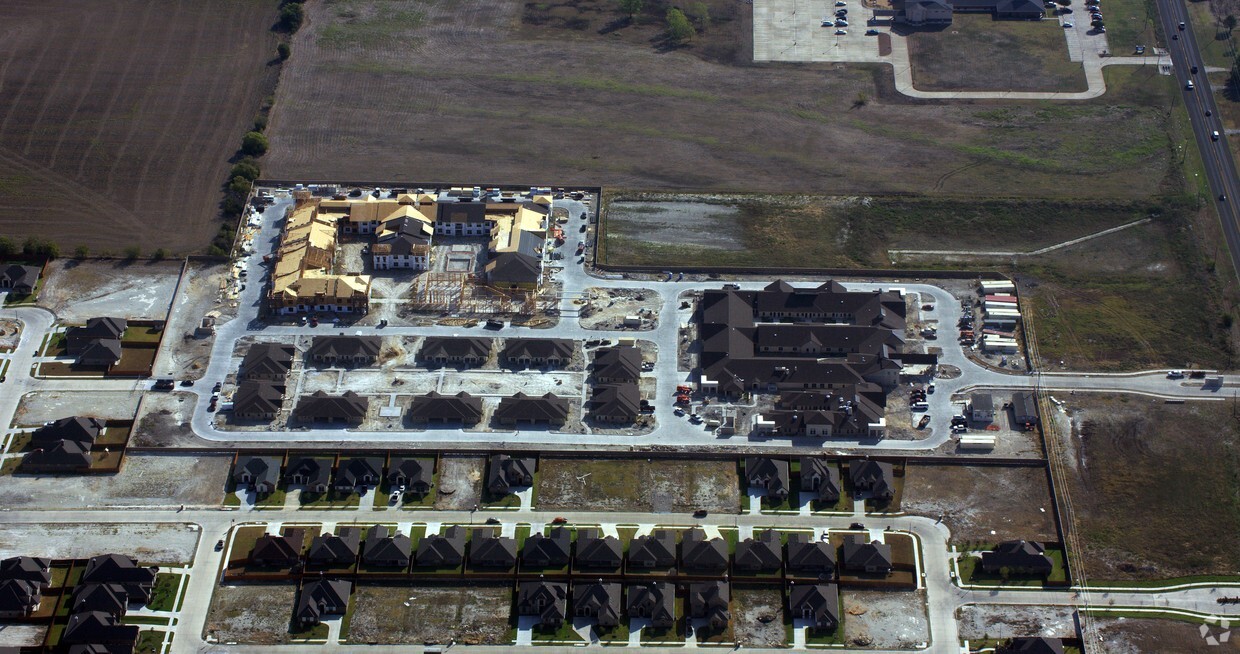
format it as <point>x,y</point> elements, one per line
<point>1215,155</point>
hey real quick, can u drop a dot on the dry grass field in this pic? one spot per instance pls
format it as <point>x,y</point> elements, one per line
<point>985,504</point>
<point>1154,487</point>
<point>119,116</point>
<point>499,91</point>
<point>1009,55</point>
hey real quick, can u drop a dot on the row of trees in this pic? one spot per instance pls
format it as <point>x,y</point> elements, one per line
<point>681,25</point>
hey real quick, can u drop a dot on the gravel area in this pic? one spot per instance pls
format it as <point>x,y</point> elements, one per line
<point>473,615</point>
<point>158,480</point>
<point>885,619</point>
<point>77,290</point>
<point>182,354</point>
<point>463,476</point>
<point>255,614</point>
<point>1006,621</point>
<point>44,406</point>
<point>759,618</point>
<point>21,635</point>
<point>156,544</point>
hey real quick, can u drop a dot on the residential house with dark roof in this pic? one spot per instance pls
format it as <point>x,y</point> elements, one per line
<point>554,352</point>
<point>710,600</point>
<point>505,472</point>
<point>809,556</point>
<point>1024,557</point>
<point>18,279</point>
<point>842,412</point>
<point>487,549</point>
<point>19,598</point>
<point>544,600</point>
<point>267,361</point>
<point>617,365</point>
<point>452,349</point>
<point>314,474</point>
<point>60,457</point>
<point>322,597</point>
<point>415,474</point>
<point>349,407</point>
<point>434,407</point>
<point>77,428</point>
<point>100,628</point>
<point>654,601</point>
<point>258,400</point>
<point>822,478</point>
<point>345,350</point>
<point>818,604</point>
<point>596,551</point>
<point>654,550</point>
<point>358,472</point>
<point>523,409</point>
<point>78,339</point>
<point>762,553</point>
<point>383,548</point>
<point>403,243</point>
<point>27,568</point>
<point>283,551</point>
<point>257,473</point>
<point>99,648</point>
<point>100,353</point>
<point>107,598</point>
<point>550,551</point>
<point>1033,645</point>
<point>862,556</point>
<point>442,551</point>
<point>518,264</point>
<point>701,554</point>
<point>615,403</point>
<point>1024,408</point>
<point>872,477</point>
<point>118,568</point>
<point>597,600</point>
<point>768,475</point>
<point>336,550</point>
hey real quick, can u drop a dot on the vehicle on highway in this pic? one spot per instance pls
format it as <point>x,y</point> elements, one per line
<point>1222,197</point>
<point>1214,135</point>
<point>1193,70</point>
<point>1175,37</point>
<point>1209,113</point>
<point>1189,85</point>
<point>1181,26</point>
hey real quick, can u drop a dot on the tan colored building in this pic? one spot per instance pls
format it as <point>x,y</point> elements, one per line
<point>302,278</point>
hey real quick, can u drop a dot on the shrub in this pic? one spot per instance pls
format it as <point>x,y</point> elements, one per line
<point>254,144</point>
<point>283,51</point>
<point>81,252</point>
<point>247,168</point>
<point>679,29</point>
<point>7,247</point>
<point>291,17</point>
<point>159,255</point>
<point>132,252</point>
<point>37,247</point>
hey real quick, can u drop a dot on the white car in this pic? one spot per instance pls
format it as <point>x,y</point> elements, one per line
<point>1068,25</point>
<point>841,3</point>
<point>841,23</point>
<point>841,32</point>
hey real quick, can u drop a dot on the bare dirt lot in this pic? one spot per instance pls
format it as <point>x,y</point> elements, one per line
<point>121,116</point>
<point>1139,483</point>
<point>609,308</point>
<point>155,544</point>
<point>256,614</point>
<point>165,421</point>
<point>885,619</point>
<point>1002,621</point>
<point>182,354</point>
<point>161,480</point>
<point>45,406</point>
<point>1130,636</point>
<point>78,290</point>
<point>373,80</point>
<point>462,476</point>
<point>638,485</point>
<point>473,615</point>
<point>759,617</point>
<point>982,503</point>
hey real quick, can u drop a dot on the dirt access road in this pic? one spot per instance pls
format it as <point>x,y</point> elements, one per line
<point>120,115</point>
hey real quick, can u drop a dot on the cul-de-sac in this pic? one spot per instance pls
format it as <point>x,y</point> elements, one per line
<point>494,326</point>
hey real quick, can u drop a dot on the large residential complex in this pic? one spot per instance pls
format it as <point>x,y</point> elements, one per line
<point>302,278</point>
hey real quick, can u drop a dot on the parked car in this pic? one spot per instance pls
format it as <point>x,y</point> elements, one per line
<point>841,32</point>
<point>219,545</point>
<point>700,513</point>
<point>164,385</point>
<point>871,32</point>
<point>1175,374</point>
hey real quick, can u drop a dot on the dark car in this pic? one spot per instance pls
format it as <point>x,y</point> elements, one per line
<point>856,525</point>
<point>187,382</point>
<point>700,513</point>
<point>219,545</point>
<point>1193,70</point>
<point>164,384</point>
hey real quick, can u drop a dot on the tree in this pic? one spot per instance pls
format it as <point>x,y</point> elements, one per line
<point>291,17</point>
<point>132,252</point>
<point>7,247</point>
<point>700,14</point>
<point>679,29</point>
<point>35,247</point>
<point>254,144</point>
<point>283,51</point>
<point>247,168</point>
<point>632,7</point>
<point>81,252</point>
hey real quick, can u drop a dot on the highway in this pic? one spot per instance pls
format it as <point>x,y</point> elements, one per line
<point>1215,155</point>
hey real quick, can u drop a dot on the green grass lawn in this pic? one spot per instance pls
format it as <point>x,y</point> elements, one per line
<point>329,500</point>
<point>164,594</point>
<point>142,335</point>
<point>1129,23</point>
<point>1003,55</point>
<point>149,642</point>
